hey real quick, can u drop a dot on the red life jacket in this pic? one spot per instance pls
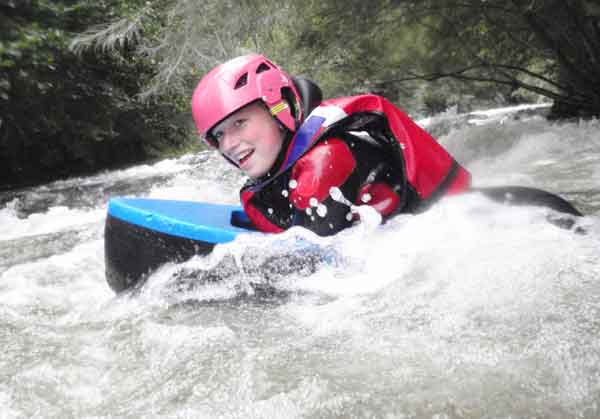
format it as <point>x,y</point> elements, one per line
<point>428,168</point>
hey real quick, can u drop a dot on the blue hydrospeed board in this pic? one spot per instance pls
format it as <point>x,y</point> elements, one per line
<point>141,234</point>
<point>193,220</point>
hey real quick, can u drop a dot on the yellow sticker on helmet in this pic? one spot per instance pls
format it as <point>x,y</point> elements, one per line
<point>278,108</point>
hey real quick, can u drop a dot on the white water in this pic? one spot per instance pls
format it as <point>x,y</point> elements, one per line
<point>471,310</point>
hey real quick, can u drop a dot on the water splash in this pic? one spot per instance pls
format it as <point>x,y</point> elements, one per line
<point>470,309</point>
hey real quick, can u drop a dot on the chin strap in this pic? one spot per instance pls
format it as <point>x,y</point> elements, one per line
<point>229,160</point>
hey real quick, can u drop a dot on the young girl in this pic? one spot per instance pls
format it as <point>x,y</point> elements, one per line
<point>311,162</point>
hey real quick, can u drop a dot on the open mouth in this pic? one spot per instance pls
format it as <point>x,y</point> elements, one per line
<point>244,158</point>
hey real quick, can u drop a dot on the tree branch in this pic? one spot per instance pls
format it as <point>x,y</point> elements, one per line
<point>460,75</point>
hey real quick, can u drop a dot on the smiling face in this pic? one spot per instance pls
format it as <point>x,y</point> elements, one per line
<point>251,138</point>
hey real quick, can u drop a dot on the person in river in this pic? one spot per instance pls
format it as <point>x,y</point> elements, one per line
<point>313,163</point>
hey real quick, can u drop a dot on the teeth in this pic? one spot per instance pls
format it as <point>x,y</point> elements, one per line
<point>244,155</point>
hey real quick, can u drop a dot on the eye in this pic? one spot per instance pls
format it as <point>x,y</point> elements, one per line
<point>238,123</point>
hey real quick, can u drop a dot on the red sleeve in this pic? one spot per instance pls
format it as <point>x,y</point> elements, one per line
<point>258,219</point>
<point>380,196</point>
<point>327,165</point>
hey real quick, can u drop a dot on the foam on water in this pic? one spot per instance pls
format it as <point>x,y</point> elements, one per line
<point>430,307</point>
<point>56,219</point>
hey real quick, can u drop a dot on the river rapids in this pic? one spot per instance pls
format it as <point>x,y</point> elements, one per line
<point>470,310</point>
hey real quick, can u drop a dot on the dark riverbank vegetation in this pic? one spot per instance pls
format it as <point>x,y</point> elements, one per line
<point>87,85</point>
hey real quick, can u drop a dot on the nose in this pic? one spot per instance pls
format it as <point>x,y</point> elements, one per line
<point>228,142</point>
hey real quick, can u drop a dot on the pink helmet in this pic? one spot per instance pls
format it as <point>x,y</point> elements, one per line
<point>238,82</point>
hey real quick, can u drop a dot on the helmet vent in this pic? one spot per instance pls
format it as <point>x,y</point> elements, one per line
<point>262,67</point>
<point>241,82</point>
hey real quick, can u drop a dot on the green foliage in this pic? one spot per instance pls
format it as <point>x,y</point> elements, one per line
<point>63,113</point>
<point>483,50</point>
